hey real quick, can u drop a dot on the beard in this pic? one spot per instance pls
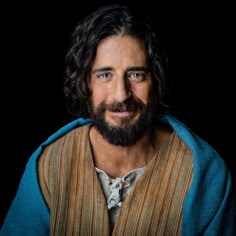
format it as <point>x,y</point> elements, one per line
<point>125,133</point>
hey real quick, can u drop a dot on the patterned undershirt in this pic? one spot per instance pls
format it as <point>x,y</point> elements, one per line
<point>116,190</point>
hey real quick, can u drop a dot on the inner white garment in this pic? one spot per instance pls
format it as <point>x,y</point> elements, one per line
<point>116,190</point>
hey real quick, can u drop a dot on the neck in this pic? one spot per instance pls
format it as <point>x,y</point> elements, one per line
<point>117,161</point>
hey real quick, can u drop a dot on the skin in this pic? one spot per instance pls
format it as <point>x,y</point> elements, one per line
<point>118,72</point>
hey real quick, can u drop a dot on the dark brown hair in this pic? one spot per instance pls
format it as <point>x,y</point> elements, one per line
<point>106,21</point>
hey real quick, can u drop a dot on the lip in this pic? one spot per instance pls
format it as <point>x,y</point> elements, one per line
<point>122,113</point>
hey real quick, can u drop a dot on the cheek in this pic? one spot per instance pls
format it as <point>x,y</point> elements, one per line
<point>98,96</point>
<point>142,92</point>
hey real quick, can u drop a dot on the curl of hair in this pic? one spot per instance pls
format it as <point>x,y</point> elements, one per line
<point>107,21</point>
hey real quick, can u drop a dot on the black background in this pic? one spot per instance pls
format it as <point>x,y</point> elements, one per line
<point>198,38</point>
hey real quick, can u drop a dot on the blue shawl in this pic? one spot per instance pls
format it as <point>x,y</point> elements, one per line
<point>208,208</point>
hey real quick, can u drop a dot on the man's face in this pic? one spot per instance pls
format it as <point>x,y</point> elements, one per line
<point>121,102</point>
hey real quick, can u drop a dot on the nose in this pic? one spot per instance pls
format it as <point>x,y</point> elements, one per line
<point>120,91</point>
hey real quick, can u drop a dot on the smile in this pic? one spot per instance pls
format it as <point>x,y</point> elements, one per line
<point>122,113</point>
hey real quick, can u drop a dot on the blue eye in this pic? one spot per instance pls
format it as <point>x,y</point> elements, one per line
<point>136,76</point>
<point>104,76</point>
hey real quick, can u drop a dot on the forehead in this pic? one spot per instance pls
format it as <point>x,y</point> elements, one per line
<point>120,48</point>
<point>116,40</point>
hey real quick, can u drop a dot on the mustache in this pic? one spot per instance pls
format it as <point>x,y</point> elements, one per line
<point>128,105</point>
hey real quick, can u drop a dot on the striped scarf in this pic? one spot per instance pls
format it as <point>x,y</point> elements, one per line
<point>77,204</point>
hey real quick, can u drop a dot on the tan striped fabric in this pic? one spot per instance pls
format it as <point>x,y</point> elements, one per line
<point>76,201</point>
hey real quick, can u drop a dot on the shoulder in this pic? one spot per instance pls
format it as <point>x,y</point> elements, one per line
<point>67,141</point>
<point>61,141</point>
<point>206,159</point>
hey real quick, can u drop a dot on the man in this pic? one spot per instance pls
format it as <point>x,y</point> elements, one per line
<point>127,167</point>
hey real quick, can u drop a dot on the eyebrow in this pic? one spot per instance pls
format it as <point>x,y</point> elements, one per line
<point>101,69</point>
<point>132,68</point>
<point>138,68</point>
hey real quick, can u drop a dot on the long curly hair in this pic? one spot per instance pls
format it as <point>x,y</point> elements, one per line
<point>107,21</point>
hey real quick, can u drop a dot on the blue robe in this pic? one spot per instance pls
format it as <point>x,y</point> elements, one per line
<point>209,208</point>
